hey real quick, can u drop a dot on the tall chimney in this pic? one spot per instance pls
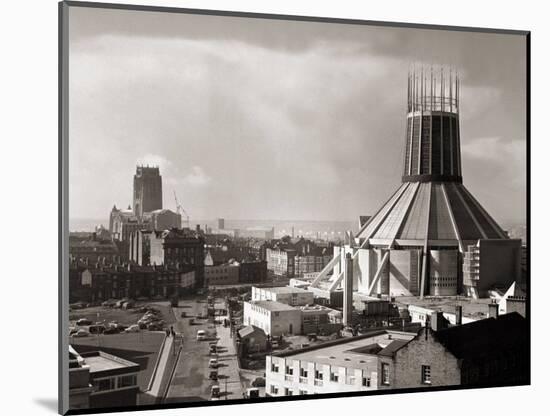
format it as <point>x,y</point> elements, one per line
<point>458,314</point>
<point>348,291</point>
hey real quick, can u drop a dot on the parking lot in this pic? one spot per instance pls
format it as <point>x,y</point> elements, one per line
<point>141,347</point>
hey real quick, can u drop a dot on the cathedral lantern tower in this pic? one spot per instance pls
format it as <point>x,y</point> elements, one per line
<point>431,237</point>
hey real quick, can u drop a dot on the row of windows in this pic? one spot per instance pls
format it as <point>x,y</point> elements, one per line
<point>425,376</point>
<point>257,309</point>
<point>274,389</point>
<point>333,375</point>
<point>112,383</point>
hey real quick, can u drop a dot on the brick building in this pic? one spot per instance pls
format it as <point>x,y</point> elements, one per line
<point>99,282</point>
<point>223,274</point>
<point>92,248</point>
<point>252,271</point>
<point>491,351</point>
<point>183,249</point>
<point>295,257</point>
<point>488,352</point>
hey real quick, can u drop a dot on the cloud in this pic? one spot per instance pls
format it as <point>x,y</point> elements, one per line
<point>495,149</point>
<point>197,177</point>
<point>307,119</point>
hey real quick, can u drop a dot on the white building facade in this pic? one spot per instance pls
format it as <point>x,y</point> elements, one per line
<point>273,317</point>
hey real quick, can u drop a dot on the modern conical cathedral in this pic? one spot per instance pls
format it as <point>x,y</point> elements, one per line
<point>431,237</point>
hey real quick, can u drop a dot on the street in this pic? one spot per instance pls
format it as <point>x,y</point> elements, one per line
<point>191,378</point>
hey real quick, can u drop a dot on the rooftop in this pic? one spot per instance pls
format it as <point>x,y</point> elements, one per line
<point>272,306</point>
<point>285,289</point>
<point>353,352</point>
<point>486,337</point>
<point>472,308</point>
<point>101,361</point>
<point>251,329</point>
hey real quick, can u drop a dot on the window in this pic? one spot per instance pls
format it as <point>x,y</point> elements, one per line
<point>127,381</point>
<point>274,390</point>
<point>333,376</point>
<point>302,392</point>
<point>366,381</point>
<point>288,392</point>
<point>274,367</point>
<point>289,370</point>
<point>303,372</point>
<point>104,384</point>
<point>385,373</point>
<point>426,374</point>
<point>318,375</point>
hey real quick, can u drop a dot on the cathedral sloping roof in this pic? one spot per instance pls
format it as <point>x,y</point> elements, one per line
<point>437,212</point>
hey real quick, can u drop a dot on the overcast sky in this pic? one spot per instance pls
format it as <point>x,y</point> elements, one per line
<point>266,119</point>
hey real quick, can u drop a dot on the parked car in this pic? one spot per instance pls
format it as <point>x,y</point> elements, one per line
<point>132,328</point>
<point>154,326</point>
<point>213,363</point>
<point>213,348</point>
<point>83,321</point>
<point>213,375</point>
<point>109,303</point>
<point>215,391</point>
<point>111,330</point>
<point>72,330</point>
<point>201,335</point>
<point>96,329</point>
<point>128,305</point>
<point>81,333</point>
<point>183,314</point>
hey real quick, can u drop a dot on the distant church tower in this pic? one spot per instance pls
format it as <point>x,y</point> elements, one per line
<point>147,190</point>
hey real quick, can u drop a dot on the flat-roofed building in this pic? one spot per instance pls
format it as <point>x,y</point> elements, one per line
<point>344,365</point>
<point>112,380</point>
<point>318,319</point>
<point>293,296</point>
<point>274,318</point>
<point>79,381</point>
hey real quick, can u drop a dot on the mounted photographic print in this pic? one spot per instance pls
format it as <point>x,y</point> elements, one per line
<point>263,208</point>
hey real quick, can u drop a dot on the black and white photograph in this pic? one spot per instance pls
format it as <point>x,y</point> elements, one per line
<point>263,208</point>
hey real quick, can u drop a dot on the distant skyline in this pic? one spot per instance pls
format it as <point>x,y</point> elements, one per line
<point>281,120</point>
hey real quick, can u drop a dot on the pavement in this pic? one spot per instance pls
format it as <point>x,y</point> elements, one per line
<point>230,381</point>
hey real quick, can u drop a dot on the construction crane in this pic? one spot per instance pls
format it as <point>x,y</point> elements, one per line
<point>180,210</point>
